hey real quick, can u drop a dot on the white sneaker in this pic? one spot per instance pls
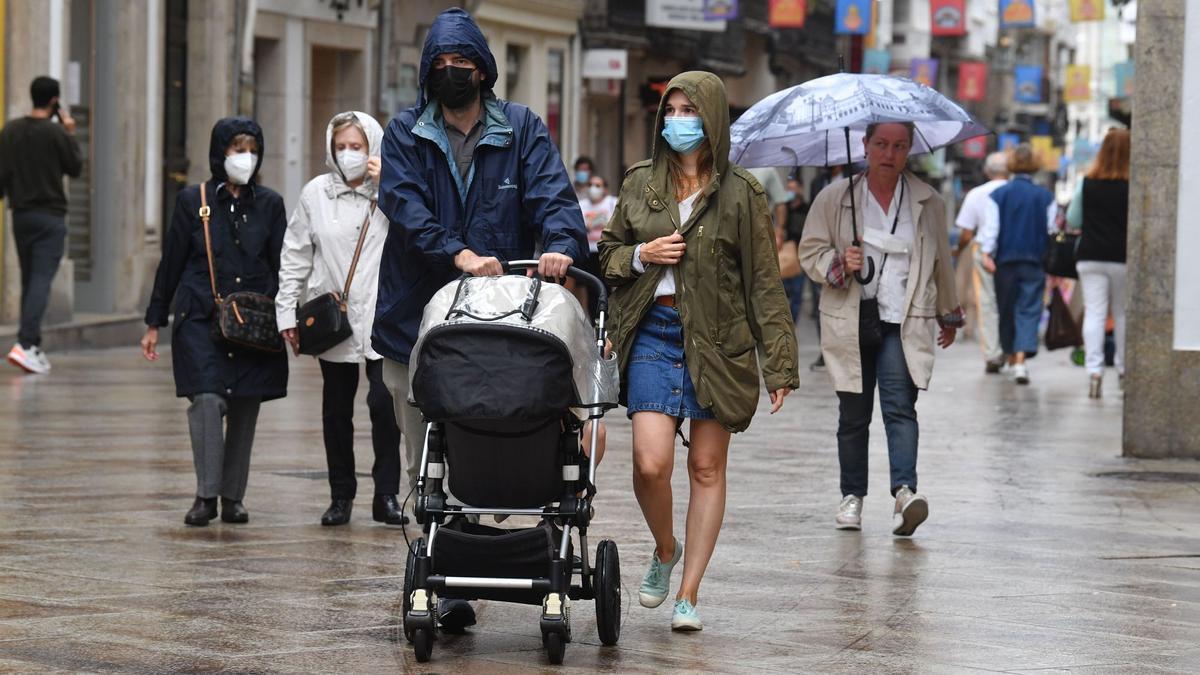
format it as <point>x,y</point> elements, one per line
<point>32,360</point>
<point>911,510</point>
<point>849,513</point>
<point>1020,373</point>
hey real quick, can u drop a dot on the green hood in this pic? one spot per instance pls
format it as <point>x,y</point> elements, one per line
<point>707,92</point>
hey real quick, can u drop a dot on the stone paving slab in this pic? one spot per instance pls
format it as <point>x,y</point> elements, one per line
<point>1033,560</point>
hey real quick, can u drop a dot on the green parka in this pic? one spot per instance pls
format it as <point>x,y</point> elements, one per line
<point>727,286</point>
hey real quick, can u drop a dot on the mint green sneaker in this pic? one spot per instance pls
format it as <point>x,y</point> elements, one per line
<point>685,617</point>
<point>657,582</point>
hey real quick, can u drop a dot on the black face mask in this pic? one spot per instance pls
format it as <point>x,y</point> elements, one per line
<point>453,87</point>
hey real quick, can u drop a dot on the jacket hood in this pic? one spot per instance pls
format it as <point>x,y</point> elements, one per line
<point>374,134</point>
<point>707,92</point>
<point>455,31</point>
<point>222,133</point>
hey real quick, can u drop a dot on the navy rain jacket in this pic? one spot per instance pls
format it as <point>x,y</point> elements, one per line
<point>247,236</point>
<point>516,192</point>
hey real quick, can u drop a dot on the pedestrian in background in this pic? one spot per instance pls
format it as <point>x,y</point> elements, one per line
<point>793,230</point>
<point>912,293</point>
<point>1100,211</point>
<point>318,254</point>
<point>970,220</point>
<point>691,253</point>
<point>597,206</point>
<point>35,154</point>
<point>1012,239</point>
<point>227,383</point>
<point>584,169</point>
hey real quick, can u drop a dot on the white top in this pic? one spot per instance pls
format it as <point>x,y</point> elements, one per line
<point>595,216</point>
<point>890,286</point>
<point>974,206</point>
<point>989,230</point>
<point>772,185</point>
<point>666,285</point>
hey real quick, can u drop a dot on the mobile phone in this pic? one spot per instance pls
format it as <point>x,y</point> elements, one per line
<point>54,111</point>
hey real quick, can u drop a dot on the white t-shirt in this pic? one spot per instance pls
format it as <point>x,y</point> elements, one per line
<point>889,286</point>
<point>772,184</point>
<point>666,285</point>
<point>595,216</point>
<point>974,207</point>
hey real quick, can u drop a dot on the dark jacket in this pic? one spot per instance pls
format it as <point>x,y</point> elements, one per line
<point>1105,220</point>
<point>731,302</point>
<point>246,257</point>
<point>516,194</point>
<point>1023,220</point>
<point>34,155</point>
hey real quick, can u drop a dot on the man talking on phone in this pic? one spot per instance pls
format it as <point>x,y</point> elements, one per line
<point>35,152</point>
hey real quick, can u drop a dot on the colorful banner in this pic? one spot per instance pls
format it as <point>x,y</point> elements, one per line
<point>1043,146</point>
<point>1087,10</point>
<point>975,148</point>
<point>1006,142</point>
<point>718,10</point>
<point>1079,84</point>
<point>787,13</point>
<point>853,17</point>
<point>1016,14</point>
<point>948,18</point>
<point>923,71</point>
<point>972,80</point>
<point>1027,84</point>
<point>1123,73</point>
<point>876,61</point>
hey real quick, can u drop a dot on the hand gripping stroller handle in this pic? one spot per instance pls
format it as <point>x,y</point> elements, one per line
<point>595,286</point>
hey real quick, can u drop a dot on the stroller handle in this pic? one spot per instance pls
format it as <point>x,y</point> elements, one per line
<point>594,285</point>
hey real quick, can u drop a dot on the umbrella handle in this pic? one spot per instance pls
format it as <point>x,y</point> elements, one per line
<point>866,279</point>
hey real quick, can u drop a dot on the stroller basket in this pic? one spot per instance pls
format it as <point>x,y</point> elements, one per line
<point>468,550</point>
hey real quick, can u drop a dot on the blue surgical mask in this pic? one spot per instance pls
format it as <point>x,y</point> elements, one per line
<point>582,176</point>
<point>789,196</point>
<point>683,134</point>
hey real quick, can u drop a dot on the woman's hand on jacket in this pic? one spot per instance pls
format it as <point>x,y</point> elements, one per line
<point>666,250</point>
<point>292,337</point>
<point>373,168</point>
<point>777,397</point>
<point>150,343</point>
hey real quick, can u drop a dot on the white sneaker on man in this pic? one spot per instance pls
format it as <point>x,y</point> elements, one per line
<point>911,510</point>
<point>849,513</point>
<point>1020,373</point>
<point>31,360</point>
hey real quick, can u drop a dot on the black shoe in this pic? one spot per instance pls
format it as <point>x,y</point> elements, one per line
<point>233,512</point>
<point>338,512</point>
<point>385,509</point>
<point>455,615</point>
<point>993,367</point>
<point>818,366</point>
<point>202,511</point>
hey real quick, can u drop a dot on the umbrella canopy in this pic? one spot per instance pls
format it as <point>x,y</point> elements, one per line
<point>805,125</point>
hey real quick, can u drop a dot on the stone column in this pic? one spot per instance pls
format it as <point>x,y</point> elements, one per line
<point>1163,384</point>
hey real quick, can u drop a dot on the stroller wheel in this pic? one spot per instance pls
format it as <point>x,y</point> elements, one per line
<point>608,592</point>
<point>423,644</point>
<point>556,647</point>
<point>406,601</point>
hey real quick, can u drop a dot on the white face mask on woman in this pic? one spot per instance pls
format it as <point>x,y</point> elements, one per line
<point>353,164</point>
<point>239,167</point>
<point>595,193</point>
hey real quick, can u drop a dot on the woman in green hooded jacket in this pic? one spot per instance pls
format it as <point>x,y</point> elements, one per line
<point>690,252</point>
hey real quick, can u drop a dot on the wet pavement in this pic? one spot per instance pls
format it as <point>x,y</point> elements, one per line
<point>1045,550</point>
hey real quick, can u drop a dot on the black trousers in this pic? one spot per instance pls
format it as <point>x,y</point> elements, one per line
<point>337,417</point>
<point>41,240</point>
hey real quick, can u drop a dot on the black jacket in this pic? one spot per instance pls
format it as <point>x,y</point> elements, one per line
<point>247,236</point>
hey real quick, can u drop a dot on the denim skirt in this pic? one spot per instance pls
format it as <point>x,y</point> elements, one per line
<point>658,378</point>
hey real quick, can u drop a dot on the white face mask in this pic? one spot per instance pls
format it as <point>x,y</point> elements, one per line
<point>239,167</point>
<point>595,193</point>
<point>353,164</point>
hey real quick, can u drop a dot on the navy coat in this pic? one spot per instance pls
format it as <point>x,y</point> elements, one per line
<point>516,194</point>
<point>247,236</point>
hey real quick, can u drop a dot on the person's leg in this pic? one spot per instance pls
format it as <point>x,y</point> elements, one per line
<point>707,458</point>
<point>853,434</point>
<point>653,464</point>
<point>44,243</point>
<point>205,416</point>
<point>1006,297</point>
<point>1093,282</point>
<point>989,330</point>
<point>897,403</point>
<point>409,421</point>
<point>339,386</point>
<point>239,439</point>
<point>1116,285</point>
<point>1031,287</point>
<point>385,433</point>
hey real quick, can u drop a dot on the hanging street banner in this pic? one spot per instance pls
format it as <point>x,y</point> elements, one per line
<point>853,17</point>
<point>1027,84</point>
<point>787,13</point>
<point>1006,142</point>
<point>1123,74</point>
<point>972,81</point>
<point>681,15</point>
<point>720,10</point>
<point>876,61</point>
<point>1079,84</point>
<point>1016,14</point>
<point>948,18</point>
<point>924,71</point>
<point>975,148</point>
<point>1087,10</point>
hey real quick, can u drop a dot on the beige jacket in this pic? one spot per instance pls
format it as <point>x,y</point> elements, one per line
<point>930,293</point>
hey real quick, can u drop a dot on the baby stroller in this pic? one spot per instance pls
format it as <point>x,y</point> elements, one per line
<point>507,370</point>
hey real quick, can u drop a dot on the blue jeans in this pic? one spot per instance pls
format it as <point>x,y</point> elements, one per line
<point>897,399</point>
<point>1019,292</point>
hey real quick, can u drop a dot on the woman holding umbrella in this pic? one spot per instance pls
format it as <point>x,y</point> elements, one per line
<point>879,328</point>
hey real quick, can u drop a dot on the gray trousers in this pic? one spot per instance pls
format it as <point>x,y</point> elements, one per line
<point>41,240</point>
<point>408,418</point>
<point>222,451</point>
<point>989,318</point>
